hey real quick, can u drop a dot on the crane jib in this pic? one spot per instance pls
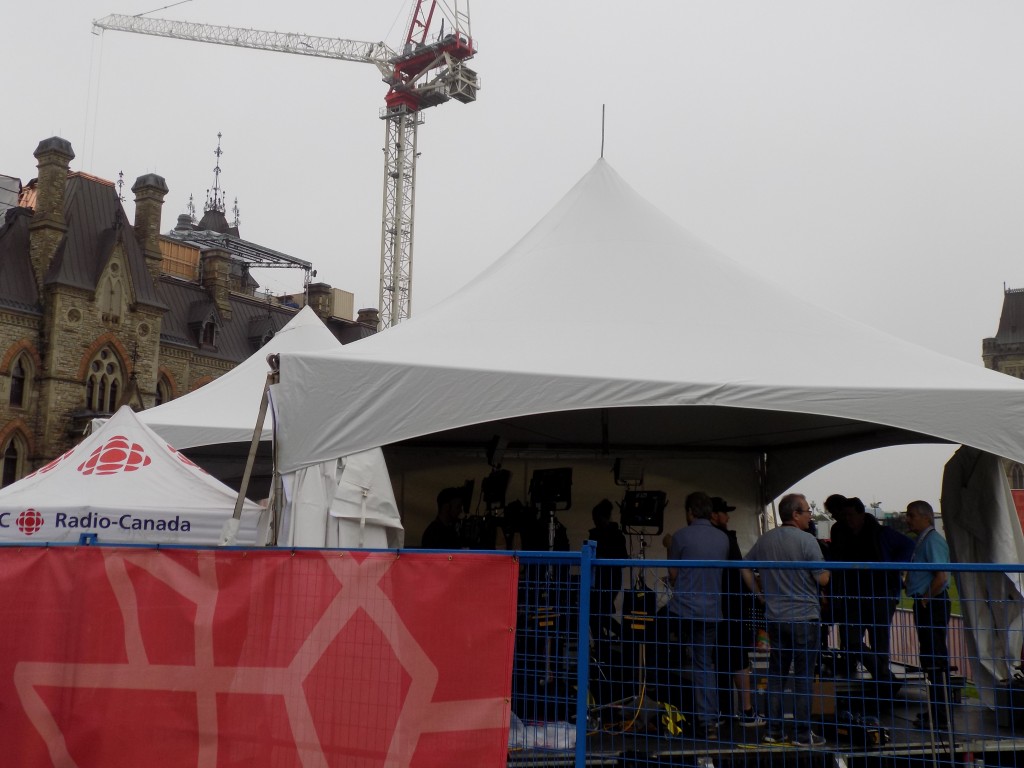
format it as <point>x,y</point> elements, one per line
<point>422,76</point>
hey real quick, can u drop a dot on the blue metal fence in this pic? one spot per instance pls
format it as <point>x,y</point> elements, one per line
<point>605,675</point>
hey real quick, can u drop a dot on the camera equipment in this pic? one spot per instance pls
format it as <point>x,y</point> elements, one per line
<point>644,509</point>
<point>493,488</point>
<point>551,489</point>
<point>496,451</point>
<point>467,495</point>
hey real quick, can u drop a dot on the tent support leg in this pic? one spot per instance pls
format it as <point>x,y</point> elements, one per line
<point>251,460</point>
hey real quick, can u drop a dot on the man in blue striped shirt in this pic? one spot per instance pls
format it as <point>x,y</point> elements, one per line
<point>931,608</point>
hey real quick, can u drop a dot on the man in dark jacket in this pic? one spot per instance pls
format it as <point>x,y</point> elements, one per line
<point>864,601</point>
<point>611,544</point>
<point>735,636</point>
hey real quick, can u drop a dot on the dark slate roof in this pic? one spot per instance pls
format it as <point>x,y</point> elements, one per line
<point>1011,321</point>
<point>215,221</point>
<point>96,221</point>
<point>201,310</point>
<point>189,303</point>
<point>240,336</point>
<point>17,285</point>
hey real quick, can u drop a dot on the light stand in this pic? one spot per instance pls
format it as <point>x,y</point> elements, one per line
<point>550,491</point>
<point>641,512</point>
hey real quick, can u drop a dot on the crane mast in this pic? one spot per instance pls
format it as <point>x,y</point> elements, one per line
<point>427,72</point>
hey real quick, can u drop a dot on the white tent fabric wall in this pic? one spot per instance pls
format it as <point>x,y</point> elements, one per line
<point>344,503</point>
<point>981,525</point>
<point>125,484</point>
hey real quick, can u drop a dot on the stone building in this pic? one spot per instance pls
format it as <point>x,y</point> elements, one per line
<point>1004,352</point>
<point>97,311</point>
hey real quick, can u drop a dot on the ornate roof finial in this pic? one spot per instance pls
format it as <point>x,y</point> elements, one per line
<point>191,209</point>
<point>238,219</point>
<point>120,186</point>
<point>215,201</point>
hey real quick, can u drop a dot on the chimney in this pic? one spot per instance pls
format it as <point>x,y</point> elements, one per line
<point>149,199</point>
<point>47,229</point>
<point>318,297</point>
<point>216,272</point>
<point>369,316</point>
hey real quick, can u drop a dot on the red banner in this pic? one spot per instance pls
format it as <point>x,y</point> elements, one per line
<point>172,658</point>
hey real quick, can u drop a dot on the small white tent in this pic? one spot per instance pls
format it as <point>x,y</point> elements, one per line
<point>124,484</point>
<point>223,414</point>
<point>224,411</point>
<point>610,328</point>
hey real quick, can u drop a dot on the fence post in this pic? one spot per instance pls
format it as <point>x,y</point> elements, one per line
<point>583,651</point>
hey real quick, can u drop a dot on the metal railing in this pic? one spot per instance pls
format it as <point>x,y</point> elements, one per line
<point>607,671</point>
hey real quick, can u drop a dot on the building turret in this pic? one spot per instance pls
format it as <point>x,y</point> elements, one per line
<point>53,156</point>
<point>150,191</point>
<point>216,279</point>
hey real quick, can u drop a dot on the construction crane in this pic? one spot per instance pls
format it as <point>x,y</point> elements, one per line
<point>428,71</point>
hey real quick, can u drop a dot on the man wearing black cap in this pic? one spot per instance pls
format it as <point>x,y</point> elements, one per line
<point>732,660</point>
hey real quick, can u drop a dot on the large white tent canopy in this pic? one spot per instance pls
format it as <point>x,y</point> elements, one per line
<point>610,328</point>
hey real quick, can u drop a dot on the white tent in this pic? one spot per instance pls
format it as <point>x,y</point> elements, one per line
<point>224,411</point>
<point>223,414</point>
<point>124,484</point>
<point>609,328</point>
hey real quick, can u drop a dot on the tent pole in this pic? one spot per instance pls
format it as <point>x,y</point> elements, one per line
<point>253,446</point>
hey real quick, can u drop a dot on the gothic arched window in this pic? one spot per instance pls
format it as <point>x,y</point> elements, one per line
<point>163,391</point>
<point>13,460</point>
<point>21,381</point>
<point>104,382</point>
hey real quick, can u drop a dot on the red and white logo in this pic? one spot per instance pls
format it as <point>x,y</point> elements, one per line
<point>115,455</point>
<point>52,464</point>
<point>183,458</point>
<point>29,521</point>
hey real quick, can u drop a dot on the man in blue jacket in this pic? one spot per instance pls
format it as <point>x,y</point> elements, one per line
<point>931,609</point>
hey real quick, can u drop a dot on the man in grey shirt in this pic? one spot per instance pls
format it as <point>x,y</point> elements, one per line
<point>697,603</point>
<point>793,611</point>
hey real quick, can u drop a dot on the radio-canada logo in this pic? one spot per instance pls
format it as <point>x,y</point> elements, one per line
<point>115,455</point>
<point>29,521</point>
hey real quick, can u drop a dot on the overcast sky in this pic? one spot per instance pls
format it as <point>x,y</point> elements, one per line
<point>868,155</point>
